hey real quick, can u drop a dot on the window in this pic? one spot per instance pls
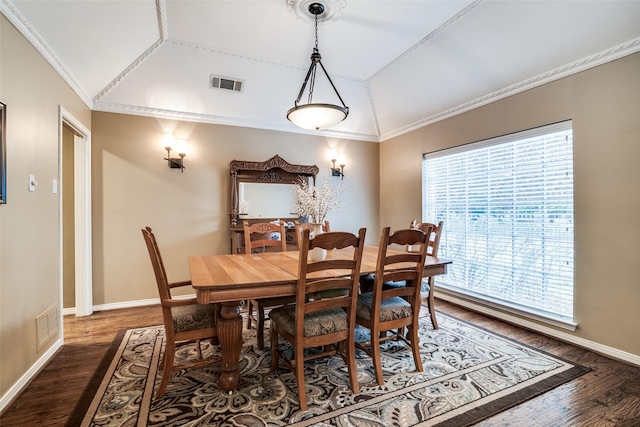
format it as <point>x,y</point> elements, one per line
<point>507,207</point>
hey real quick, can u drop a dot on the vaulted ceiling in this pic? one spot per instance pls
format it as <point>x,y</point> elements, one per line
<point>398,65</point>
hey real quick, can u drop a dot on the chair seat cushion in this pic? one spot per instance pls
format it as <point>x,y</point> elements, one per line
<point>401,283</point>
<point>192,317</point>
<point>390,309</point>
<point>315,324</point>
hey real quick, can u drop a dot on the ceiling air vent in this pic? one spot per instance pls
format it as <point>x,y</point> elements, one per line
<point>226,83</point>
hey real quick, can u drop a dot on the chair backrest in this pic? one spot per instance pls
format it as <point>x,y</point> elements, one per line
<point>156,262</point>
<point>434,237</point>
<point>258,236</point>
<point>404,266</point>
<point>312,281</point>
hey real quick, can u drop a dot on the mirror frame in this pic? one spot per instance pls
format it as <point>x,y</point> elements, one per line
<point>274,170</point>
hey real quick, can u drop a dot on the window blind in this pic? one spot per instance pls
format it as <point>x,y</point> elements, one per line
<point>507,207</point>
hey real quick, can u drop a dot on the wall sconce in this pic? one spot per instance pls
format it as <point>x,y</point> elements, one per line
<point>335,171</point>
<point>175,162</point>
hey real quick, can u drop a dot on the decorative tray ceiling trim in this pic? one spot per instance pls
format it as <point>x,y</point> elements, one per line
<point>225,120</point>
<point>426,39</point>
<point>595,60</point>
<point>189,45</point>
<point>128,70</point>
<point>162,29</point>
<point>21,24</point>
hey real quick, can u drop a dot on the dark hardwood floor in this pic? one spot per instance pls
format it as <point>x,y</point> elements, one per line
<point>607,396</point>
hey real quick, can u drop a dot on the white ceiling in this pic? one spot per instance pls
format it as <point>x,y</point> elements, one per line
<point>398,65</point>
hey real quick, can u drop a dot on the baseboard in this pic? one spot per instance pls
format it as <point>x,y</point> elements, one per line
<point>126,304</point>
<point>24,380</point>
<point>614,353</point>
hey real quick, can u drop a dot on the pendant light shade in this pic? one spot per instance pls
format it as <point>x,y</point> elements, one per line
<point>316,115</point>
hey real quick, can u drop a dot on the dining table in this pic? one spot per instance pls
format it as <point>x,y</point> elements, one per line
<point>230,279</point>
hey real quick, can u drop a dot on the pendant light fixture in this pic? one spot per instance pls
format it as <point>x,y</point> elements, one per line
<point>316,115</point>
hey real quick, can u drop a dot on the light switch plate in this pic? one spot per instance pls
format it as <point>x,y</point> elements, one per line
<point>32,183</point>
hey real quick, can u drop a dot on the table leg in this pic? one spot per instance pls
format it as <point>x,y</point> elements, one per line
<point>230,337</point>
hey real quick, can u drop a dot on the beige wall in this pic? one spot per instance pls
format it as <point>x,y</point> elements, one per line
<point>29,222</point>
<point>604,104</point>
<point>133,187</point>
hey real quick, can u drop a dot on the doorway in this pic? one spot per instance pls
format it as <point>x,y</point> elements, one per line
<point>76,282</point>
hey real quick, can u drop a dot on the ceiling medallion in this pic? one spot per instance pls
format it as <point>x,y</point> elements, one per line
<point>333,10</point>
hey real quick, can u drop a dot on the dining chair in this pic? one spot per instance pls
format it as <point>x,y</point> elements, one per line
<point>257,238</point>
<point>185,321</point>
<point>327,323</point>
<point>432,250</point>
<point>262,235</point>
<point>427,286</point>
<point>392,309</point>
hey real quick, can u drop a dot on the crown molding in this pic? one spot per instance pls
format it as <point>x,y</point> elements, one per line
<point>162,30</point>
<point>558,73</point>
<point>15,17</point>
<point>161,11</point>
<point>372,106</point>
<point>135,64</point>
<point>426,39</point>
<point>226,120</point>
<point>190,45</point>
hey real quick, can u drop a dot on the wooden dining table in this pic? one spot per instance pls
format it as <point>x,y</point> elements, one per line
<point>231,279</point>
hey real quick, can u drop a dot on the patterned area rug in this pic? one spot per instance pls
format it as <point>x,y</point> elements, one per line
<point>469,374</point>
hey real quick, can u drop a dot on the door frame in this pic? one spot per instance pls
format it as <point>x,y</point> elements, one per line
<point>82,213</point>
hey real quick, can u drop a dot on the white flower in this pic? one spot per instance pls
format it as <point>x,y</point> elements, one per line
<point>316,203</point>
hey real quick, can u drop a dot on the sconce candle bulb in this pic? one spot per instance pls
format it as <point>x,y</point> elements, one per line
<point>182,147</point>
<point>168,141</point>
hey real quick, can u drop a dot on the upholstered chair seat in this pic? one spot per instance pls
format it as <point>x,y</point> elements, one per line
<point>192,317</point>
<point>390,309</point>
<point>315,324</point>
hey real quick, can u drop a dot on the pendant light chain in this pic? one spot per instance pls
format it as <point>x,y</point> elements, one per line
<point>316,32</point>
<point>312,83</point>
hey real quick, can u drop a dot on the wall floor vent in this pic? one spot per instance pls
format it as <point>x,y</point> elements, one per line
<point>226,83</point>
<point>47,326</point>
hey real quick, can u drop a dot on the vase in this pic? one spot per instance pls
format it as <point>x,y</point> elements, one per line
<point>317,254</point>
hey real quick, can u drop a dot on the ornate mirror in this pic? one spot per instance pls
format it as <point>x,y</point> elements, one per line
<point>265,191</point>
